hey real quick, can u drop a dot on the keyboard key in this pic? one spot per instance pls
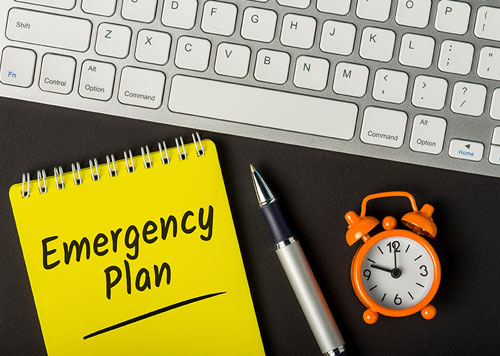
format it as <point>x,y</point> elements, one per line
<point>429,92</point>
<point>377,10</point>
<point>97,80</point>
<point>232,60</point>
<point>456,57</point>
<point>60,4</point>
<point>311,73</point>
<point>272,66</point>
<point>238,103</point>
<point>337,37</point>
<point>496,136</point>
<point>495,105</point>
<point>141,87</point>
<point>219,18</point>
<point>350,79</point>
<point>99,7</point>
<point>488,23</point>
<point>298,31</point>
<point>453,17</point>
<point>468,98</point>
<point>427,135</point>
<point>338,7</point>
<point>489,63</point>
<point>179,14</point>
<point>153,47</point>
<point>377,44</point>
<point>383,127</point>
<point>259,24</point>
<point>495,155</point>
<point>18,66</point>
<point>193,53</point>
<point>141,11</point>
<point>390,86</point>
<point>301,4</point>
<point>416,50</point>
<point>468,150</point>
<point>58,73</point>
<point>31,27</point>
<point>413,13</point>
<point>113,40</point>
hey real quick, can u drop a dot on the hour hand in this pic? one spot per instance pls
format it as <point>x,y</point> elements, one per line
<point>382,268</point>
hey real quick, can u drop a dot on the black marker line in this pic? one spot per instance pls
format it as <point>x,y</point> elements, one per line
<point>418,284</point>
<point>372,288</point>
<point>372,261</point>
<point>407,249</point>
<point>150,314</point>
<point>383,297</point>
<point>380,250</point>
<point>411,296</point>
<point>417,258</point>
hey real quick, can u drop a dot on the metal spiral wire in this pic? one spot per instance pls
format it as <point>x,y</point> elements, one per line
<point>111,163</point>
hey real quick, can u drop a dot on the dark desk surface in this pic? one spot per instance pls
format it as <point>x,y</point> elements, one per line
<point>316,188</point>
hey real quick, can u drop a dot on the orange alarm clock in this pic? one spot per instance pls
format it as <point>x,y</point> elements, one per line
<point>396,272</point>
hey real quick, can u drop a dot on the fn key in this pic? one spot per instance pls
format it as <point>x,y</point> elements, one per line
<point>18,67</point>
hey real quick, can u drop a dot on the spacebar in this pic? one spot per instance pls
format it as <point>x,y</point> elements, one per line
<point>262,107</point>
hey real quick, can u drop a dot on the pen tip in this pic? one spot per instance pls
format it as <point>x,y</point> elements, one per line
<point>264,194</point>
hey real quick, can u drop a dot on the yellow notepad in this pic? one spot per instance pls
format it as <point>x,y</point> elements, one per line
<point>142,263</point>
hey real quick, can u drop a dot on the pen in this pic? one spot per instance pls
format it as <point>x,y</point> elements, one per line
<point>299,272</point>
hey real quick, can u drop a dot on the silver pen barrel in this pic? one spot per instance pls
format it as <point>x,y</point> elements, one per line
<point>310,297</point>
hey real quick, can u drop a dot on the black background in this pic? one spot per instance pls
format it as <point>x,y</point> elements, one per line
<point>316,189</point>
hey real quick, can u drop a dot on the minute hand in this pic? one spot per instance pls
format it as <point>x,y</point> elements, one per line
<point>382,268</point>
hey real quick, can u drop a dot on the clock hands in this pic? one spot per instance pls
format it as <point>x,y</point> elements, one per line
<point>396,272</point>
<point>395,248</point>
<point>381,268</point>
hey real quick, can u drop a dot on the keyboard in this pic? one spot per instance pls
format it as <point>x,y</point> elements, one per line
<point>414,81</point>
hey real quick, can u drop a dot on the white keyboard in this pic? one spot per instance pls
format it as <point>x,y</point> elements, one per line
<point>414,81</point>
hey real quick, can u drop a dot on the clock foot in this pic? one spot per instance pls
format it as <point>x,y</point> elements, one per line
<point>428,312</point>
<point>370,316</point>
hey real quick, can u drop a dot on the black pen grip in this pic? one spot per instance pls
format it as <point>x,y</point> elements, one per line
<point>279,228</point>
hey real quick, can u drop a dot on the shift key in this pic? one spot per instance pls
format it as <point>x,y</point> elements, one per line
<point>49,30</point>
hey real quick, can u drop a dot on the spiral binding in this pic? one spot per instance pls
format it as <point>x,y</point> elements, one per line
<point>110,160</point>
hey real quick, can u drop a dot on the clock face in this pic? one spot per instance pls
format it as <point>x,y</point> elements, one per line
<point>397,272</point>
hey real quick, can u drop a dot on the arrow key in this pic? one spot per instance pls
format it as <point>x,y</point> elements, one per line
<point>468,150</point>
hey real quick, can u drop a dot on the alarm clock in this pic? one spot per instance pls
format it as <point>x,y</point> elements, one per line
<point>395,272</point>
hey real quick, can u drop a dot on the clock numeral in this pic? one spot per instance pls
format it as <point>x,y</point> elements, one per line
<point>425,272</point>
<point>393,245</point>
<point>398,300</point>
<point>367,273</point>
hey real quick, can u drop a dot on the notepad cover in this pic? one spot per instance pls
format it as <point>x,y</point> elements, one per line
<point>177,295</point>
